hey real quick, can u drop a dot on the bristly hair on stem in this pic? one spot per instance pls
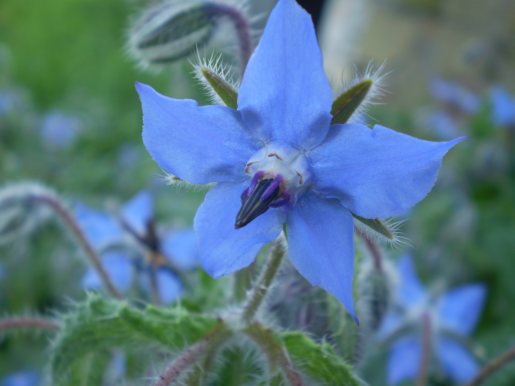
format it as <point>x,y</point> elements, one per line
<point>191,355</point>
<point>31,323</point>
<point>260,288</point>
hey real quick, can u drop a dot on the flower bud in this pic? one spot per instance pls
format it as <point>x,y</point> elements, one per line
<point>20,212</point>
<point>171,31</point>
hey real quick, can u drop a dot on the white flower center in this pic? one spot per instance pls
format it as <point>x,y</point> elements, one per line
<point>275,160</point>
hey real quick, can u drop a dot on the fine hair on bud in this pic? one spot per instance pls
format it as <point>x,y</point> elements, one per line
<point>20,211</point>
<point>375,292</point>
<point>170,31</point>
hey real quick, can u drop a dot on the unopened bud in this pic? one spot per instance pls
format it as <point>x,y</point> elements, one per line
<point>375,293</point>
<point>20,212</point>
<point>171,31</point>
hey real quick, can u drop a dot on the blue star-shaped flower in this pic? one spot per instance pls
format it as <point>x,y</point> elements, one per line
<point>503,107</point>
<point>277,160</point>
<point>135,224</point>
<point>451,314</point>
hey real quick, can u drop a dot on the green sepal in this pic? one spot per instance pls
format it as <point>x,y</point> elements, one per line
<point>348,102</point>
<point>376,225</point>
<point>98,325</point>
<point>220,87</point>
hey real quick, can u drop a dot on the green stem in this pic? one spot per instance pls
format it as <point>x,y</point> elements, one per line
<point>28,323</point>
<point>493,366</point>
<point>259,291</point>
<point>192,355</point>
<point>426,350</point>
<point>94,258</point>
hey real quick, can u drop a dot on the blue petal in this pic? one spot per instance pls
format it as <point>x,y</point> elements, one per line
<point>181,248</point>
<point>24,378</point>
<point>390,324</point>
<point>118,266</point>
<point>404,359</point>
<point>222,248</point>
<point>168,285</point>
<point>321,246</point>
<point>457,362</point>
<point>285,94</point>
<point>410,291</point>
<point>377,173</point>
<point>100,229</point>
<point>460,308</point>
<point>139,211</point>
<point>198,144</point>
<point>503,107</point>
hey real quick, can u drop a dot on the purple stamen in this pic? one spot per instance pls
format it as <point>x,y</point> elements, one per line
<point>273,186</point>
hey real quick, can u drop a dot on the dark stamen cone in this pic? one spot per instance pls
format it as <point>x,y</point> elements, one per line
<point>257,202</point>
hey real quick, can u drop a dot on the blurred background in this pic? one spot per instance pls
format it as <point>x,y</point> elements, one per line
<point>70,118</point>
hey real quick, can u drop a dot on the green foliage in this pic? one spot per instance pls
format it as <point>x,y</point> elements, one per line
<point>318,360</point>
<point>99,325</point>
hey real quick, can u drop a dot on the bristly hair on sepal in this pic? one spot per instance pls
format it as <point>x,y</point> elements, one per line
<point>217,79</point>
<point>174,181</point>
<point>386,231</point>
<point>375,75</point>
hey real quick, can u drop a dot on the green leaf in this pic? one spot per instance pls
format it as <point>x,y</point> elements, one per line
<point>220,87</point>
<point>88,372</point>
<point>318,361</point>
<point>98,325</point>
<point>348,102</point>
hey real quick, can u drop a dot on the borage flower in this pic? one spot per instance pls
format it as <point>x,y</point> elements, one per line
<point>165,255</point>
<point>277,160</point>
<point>451,318</point>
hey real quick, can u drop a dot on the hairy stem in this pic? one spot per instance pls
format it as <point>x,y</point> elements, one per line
<point>94,258</point>
<point>374,250</point>
<point>190,356</point>
<point>274,351</point>
<point>492,367</point>
<point>28,323</point>
<point>258,292</point>
<point>426,350</point>
<point>241,25</point>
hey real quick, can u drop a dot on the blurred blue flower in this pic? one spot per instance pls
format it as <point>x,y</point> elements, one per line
<point>278,160</point>
<point>503,107</point>
<point>455,95</point>
<point>59,129</point>
<point>167,254</point>
<point>443,124</point>
<point>452,315</point>
<point>6,102</point>
<point>24,378</point>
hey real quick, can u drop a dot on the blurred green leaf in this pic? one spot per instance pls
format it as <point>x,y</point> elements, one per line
<point>98,325</point>
<point>318,360</point>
